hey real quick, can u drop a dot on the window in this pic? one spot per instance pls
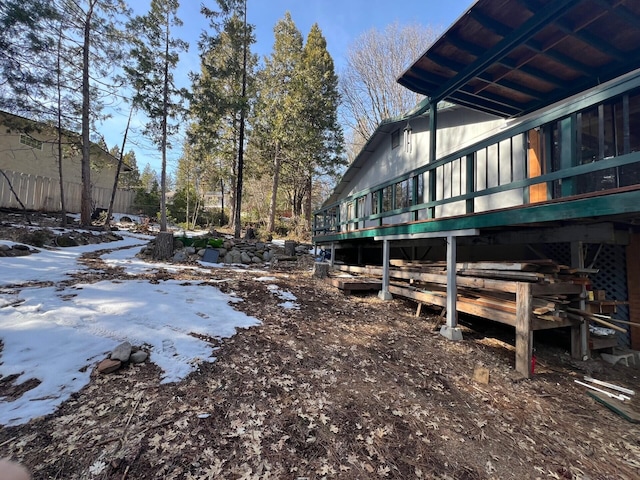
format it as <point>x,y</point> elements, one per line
<point>30,141</point>
<point>402,194</point>
<point>387,198</point>
<point>418,188</point>
<point>395,139</point>
<point>360,206</point>
<point>375,199</point>
<point>630,174</point>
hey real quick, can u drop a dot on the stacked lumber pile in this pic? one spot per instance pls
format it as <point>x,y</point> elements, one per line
<point>548,304</point>
<point>488,289</point>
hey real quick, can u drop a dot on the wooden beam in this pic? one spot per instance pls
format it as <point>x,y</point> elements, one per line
<point>524,333</point>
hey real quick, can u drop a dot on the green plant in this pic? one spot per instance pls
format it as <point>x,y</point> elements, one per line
<point>215,242</point>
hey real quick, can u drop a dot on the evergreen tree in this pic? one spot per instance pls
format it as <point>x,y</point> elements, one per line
<point>279,105</point>
<point>52,57</point>
<point>154,55</point>
<point>221,91</point>
<point>128,179</point>
<point>322,135</point>
<point>95,24</point>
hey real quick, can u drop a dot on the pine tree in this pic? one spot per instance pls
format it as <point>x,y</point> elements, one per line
<point>154,55</point>
<point>221,91</point>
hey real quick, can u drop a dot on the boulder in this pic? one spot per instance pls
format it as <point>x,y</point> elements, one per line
<point>245,258</point>
<point>122,352</point>
<point>138,357</point>
<point>108,365</point>
<point>180,256</point>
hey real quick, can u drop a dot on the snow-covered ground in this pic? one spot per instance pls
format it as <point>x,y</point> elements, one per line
<point>58,334</point>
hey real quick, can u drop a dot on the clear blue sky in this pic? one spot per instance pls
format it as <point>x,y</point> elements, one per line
<point>341,22</point>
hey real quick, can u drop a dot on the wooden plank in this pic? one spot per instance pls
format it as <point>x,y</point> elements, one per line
<point>354,283</point>
<point>463,305</point>
<point>503,274</point>
<point>537,324</point>
<point>471,282</point>
<point>500,266</point>
<point>524,334</point>
<point>622,409</point>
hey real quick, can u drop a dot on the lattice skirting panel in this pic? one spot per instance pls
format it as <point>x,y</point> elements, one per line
<point>611,262</point>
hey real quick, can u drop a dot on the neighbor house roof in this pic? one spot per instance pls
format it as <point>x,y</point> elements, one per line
<point>510,57</point>
<point>27,125</point>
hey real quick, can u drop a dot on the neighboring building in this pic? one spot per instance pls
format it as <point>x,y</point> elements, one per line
<point>28,151</point>
<point>537,149</point>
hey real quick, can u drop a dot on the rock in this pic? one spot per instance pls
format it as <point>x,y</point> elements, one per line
<point>245,258</point>
<point>122,352</point>
<point>256,259</point>
<point>228,258</point>
<point>201,252</point>
<point>180,256</point>
<point>4,247</point>
<point>190,250</point>
<point>138,357</point>
<point>19,246</point>
<point>66,241</point>
<point>108,365</point>
<point>267,256</point>
<point>260,246</point>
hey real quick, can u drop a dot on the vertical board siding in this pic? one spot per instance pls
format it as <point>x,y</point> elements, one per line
<point>43,194</point>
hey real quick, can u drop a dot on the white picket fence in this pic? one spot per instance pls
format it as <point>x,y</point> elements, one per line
<point>43,194</point>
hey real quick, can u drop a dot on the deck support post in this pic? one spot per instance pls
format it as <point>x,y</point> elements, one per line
<point>384,294</point>
<point>579,334</point>
<point>451,329</point>
<point>333,254</point>
<point>524,332</point>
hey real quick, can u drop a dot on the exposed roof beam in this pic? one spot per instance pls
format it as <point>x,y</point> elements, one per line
<point>593,41</point>
<point>486,78</point>
<point>477,51</point>
<point>502,48</point>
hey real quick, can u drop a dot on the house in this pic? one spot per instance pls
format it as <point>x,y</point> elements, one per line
<point>527,147</point>
<point>29,159</point>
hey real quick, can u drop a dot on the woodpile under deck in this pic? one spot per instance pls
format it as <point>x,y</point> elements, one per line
<point>529,296</point>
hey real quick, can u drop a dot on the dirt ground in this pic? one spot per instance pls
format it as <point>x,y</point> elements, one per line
<point>346,387</point>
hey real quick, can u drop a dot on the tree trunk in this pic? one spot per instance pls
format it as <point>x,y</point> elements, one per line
<point>86,206</point>
<point>274,190</point>
<point>307,204</point>
<point>238,209</point>
<point>63,206</point>
<point>163,249</point>
<point>165,114</point>
<point>107,225</point>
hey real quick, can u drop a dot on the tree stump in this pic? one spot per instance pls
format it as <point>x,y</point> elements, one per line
<point>321,269</point>
<point>163,249</point>
<point>290,248</point>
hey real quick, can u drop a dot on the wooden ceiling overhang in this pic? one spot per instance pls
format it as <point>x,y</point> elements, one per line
<point>512,57</point>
